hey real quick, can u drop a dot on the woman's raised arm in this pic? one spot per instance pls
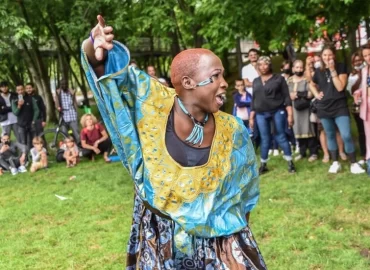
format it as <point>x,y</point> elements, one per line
<point>99,42</point>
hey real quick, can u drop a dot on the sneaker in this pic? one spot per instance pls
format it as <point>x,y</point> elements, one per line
<point>298,158</point>
<point>14,171</point>
<point>297,150</point>
<point>335,167</point>
<point>22,169</point>
<point>275,153</point>
<point>263,169</point>
<point>343,156</point>
<point>356,168</point>
<point>291,167</point>
<point>361,162</point>
<point>312,158</point>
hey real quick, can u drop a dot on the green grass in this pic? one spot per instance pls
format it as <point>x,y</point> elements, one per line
<point>87,231</point>
<point>311,220</point>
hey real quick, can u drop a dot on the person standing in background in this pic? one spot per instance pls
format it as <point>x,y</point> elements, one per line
<point>250,72</point>
<point>332,109</point>
<point>362,99</point>
<point>66,104</point>
<point>40,122</point>
<point>27,111</point>
<point>8,119</point>
<point>354,82</point>
<point>301,96</point>
<point>271,103</point>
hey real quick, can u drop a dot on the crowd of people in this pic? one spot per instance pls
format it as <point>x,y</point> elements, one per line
<point>23,115</point>
<point>306,108</point>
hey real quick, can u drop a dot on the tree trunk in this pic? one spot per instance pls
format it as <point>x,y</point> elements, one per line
<point>367,25</point>
<point>13,71</point>
<point>175,46</point>
<point>239,57</point>
<point>76,55</point>
<point>225,61</point>
<point>62,64</point>
<point>352,39</point>
<point>38,70</point>
<point>41,85</point>
<point>198,39</point>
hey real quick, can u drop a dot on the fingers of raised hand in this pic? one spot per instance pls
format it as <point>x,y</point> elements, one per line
<point>109,37</point>
<point>99,53</point>
<point>101,20</point>
<point>108,29</point>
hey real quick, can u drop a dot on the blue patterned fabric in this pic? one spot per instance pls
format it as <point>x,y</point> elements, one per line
<point>206,201</point>
<point>151,247</point>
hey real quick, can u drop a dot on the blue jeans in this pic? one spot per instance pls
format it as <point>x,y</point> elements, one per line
<point>344,125</point>
<point>263,121</point>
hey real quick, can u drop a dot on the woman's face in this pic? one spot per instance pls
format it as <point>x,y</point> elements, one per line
<point>286,66</point>
<point>209,97</point>
<point>357,61</point>
<point>263,67</point>
<point>366,56</point>
<point>298,67</point>
<point>327,56</point>
<point>239,85</point>
<point>89,121</point>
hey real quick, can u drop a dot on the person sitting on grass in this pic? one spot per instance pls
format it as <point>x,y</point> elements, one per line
<point>38,154</point>
<point>12,155</point>
<point>94,138</point>
<point>70,152</point>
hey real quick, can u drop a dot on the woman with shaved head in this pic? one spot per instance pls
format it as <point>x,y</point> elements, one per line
<point>193,167</point>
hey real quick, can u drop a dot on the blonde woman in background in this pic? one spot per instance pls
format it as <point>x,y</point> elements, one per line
<point>94,137</point>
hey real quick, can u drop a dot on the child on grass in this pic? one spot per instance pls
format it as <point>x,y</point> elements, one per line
<point>38,154</point>
<point>70,151</point>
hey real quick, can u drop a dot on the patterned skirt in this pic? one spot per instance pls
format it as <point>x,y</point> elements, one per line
<point>151,247</point>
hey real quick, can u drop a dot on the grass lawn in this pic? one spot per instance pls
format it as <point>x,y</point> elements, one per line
<point>310,220</point>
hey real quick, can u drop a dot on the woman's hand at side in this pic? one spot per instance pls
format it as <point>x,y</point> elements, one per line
<point>251,120</point>
<point>293,96</point>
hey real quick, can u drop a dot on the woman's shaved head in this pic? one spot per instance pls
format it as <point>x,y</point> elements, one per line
<point>186,64</point>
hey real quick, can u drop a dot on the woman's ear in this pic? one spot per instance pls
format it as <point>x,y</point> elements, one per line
<point>187,83</point>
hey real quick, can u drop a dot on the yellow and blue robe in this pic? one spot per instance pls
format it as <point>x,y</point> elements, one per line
<point>204,201</point>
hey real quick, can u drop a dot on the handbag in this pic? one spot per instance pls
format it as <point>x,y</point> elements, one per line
<point>301,102</point>
<point>313,106</point>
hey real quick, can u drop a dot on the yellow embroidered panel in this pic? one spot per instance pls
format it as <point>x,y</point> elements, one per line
<point>173,184</point>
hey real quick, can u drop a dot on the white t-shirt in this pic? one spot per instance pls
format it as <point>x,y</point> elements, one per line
<point>12,119</point>
<point>352,79</point>
<point>36,155</point>
<point>64,147</point>
<point>249,72</point>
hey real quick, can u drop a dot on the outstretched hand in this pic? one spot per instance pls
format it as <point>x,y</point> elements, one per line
<point>103,38</point>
